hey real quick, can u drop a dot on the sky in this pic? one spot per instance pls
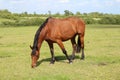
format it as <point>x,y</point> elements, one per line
<point>55,6</point>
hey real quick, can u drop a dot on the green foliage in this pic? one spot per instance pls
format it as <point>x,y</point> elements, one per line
<point>8,15</point>
<point>24,22</point>
<point>89,21</point>
<point>68,13</point>
<point>110,20</point>
<point>26,19</point>
<point>118,19</point>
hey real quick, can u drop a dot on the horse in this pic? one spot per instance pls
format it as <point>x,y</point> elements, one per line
<point>54,30</point>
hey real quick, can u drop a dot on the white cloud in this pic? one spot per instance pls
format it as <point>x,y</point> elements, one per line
<point>117,0</point>
<point>63,1</point>
<point>17,1</point>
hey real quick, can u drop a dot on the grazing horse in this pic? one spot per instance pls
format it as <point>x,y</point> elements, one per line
<point>55,31</point>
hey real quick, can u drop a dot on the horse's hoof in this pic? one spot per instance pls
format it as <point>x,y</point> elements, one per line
<point>70,62</point>
<point>52,62</point>
<point>82,58</point>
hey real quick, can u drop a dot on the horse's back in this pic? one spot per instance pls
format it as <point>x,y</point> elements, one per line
<point>66,28</point>
<point>70,22</point>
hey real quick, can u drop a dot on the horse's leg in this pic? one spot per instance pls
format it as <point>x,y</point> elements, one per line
<point>52,52</point>
<point>82,46</point>
<point>59,42</point>
<point>74,48</point>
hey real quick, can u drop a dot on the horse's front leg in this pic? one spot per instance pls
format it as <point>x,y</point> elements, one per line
<point>59,42</point>
<point>52,52</point>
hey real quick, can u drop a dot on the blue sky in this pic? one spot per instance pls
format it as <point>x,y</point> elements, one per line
<point>43,6</point>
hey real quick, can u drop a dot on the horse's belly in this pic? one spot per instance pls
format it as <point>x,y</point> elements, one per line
<point>63,37</point>
<point>66,36</point>
<point>61,34</point>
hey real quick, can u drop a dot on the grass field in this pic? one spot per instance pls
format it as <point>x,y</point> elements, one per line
<point>102,50</point>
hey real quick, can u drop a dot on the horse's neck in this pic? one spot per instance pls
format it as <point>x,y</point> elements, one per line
<point>41,38</point>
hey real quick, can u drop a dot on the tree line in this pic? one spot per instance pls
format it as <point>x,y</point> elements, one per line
<point>8,18</point>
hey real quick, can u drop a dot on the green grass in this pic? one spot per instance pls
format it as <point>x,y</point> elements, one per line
<point>102,50</point>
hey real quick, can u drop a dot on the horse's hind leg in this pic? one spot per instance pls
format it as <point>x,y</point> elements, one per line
<point>74,48</point>
<point>82,45</point>
<point>59,42</point>
<point>52,53</point>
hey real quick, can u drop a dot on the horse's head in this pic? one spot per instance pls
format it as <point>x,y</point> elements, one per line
<point>34,56</point>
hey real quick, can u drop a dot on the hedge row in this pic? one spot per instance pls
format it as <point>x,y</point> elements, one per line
<point>24,22</point>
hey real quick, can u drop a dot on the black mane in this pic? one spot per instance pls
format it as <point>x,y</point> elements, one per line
<point>37,35</point>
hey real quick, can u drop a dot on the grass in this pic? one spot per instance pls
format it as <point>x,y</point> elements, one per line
<point>102,50</point>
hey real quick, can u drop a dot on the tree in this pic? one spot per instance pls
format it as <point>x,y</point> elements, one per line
<point>49,12</point>
<point>67,13</point>
<point>78,13</point>
<point>57,14</point>
<point>35,14</point>
<point>95,14</point>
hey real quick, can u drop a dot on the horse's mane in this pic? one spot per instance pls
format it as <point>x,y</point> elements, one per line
<point>37,35</point>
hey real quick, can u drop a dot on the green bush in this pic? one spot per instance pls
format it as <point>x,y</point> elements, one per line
<point>7,23</point>
<point>89,21</point>
<point>24,19</point>
<point>24,22</point>
<point>108,20</point>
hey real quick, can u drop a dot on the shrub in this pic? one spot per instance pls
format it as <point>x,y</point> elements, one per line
<point>24,22</point>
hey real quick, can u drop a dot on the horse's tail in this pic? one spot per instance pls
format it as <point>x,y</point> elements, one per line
<point>78,45</point>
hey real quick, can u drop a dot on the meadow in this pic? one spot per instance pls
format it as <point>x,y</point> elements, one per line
<point>102,51</point>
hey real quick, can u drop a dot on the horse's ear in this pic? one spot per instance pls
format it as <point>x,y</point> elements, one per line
<point>31,47</point>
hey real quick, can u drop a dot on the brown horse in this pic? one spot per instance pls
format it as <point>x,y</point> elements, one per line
<point>55,31</point>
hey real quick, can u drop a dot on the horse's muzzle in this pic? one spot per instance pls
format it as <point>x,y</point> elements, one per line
<point>33,65</point>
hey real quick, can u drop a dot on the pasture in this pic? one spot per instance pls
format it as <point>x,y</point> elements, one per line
<point>102,51</point>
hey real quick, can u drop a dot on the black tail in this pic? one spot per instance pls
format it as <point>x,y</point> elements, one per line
<point>78,45</point>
